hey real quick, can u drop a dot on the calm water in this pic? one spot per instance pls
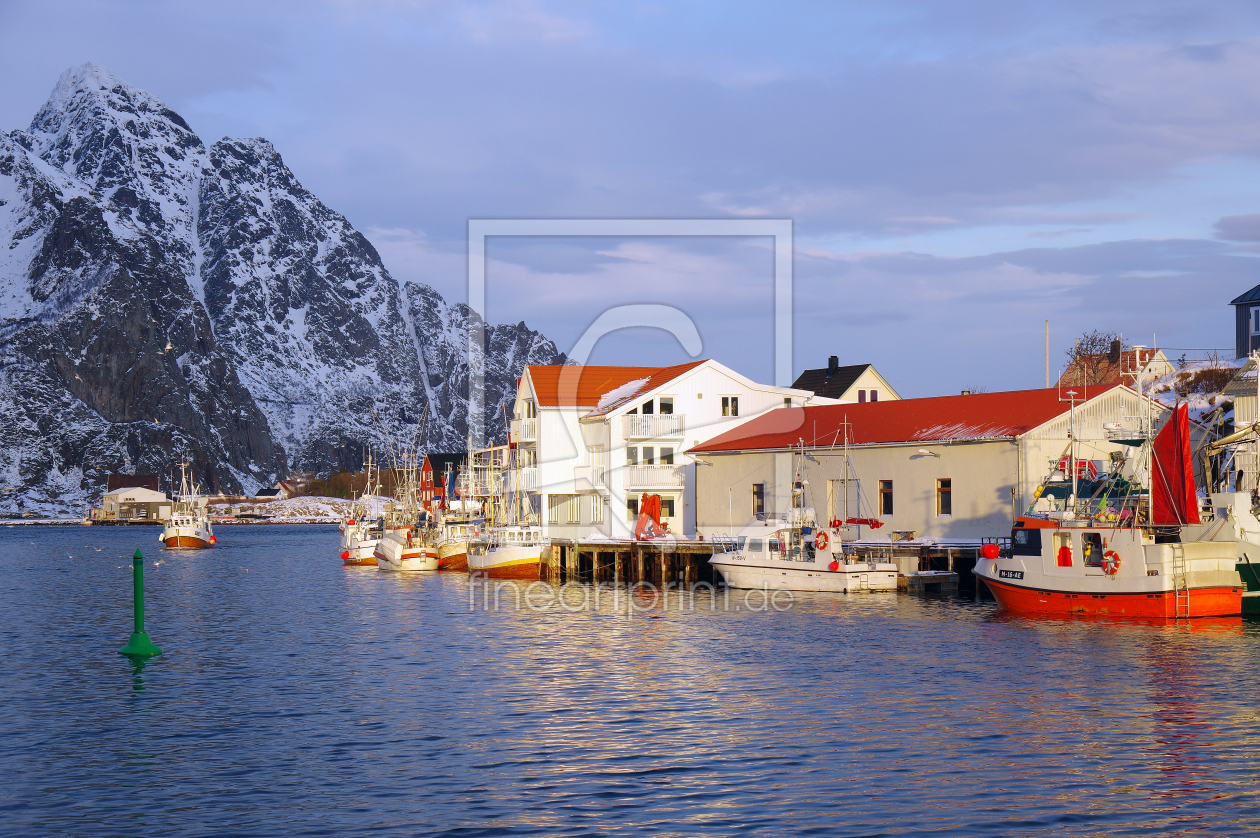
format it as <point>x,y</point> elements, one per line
<point>298,697</point>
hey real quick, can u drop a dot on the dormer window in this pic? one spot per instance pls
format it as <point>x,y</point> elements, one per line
<point>666,405</point>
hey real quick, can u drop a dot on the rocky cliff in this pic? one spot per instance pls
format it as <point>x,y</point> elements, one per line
<point>161,300</point>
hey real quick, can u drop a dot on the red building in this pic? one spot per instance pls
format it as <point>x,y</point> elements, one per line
<point>437,474</point>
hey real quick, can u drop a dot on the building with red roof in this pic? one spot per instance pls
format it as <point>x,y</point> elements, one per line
<point>949,467</point>
<point>590,441</point>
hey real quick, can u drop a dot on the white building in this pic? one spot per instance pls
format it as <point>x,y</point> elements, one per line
<point>132,504</point>
<point>950,467</point>
<point>592,440</point>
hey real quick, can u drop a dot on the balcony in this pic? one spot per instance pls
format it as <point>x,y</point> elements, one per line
<point>526,479</point>
<point>654,477</point>
<point>653,425</point>
<point>524,430</point>
<point>589,478</point>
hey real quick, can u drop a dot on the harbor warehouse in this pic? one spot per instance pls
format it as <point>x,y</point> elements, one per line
<point>952,467</point>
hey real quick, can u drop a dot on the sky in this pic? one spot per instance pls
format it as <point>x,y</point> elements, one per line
<point>956,172</point>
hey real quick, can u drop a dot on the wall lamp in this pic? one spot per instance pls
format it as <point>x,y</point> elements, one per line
<point>929,453</point>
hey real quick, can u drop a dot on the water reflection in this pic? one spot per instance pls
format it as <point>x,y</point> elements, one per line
<point>299,695</point>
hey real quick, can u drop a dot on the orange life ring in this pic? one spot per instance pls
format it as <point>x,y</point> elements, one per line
<point>820,540</point>
<point>1110,562</point>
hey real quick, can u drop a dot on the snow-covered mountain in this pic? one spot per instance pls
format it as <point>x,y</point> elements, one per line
<point>160,300</point>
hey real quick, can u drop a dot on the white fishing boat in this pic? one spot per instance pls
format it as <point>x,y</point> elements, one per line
<point>455,529</point>
<point>509,552</point>
<point>407,540</point>
<point>791,554</point>
<point>189,526</point>
<point>361,527</point>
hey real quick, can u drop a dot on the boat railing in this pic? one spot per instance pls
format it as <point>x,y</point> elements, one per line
<point>723,543</point>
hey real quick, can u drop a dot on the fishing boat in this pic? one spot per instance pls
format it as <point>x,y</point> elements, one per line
<point>514,551</point>
<point>407,541</point>
<point>1128,540</point>
<point>454,530</point>
<point>360,528</point>
<point>189,525</point>
<point>792,554</point>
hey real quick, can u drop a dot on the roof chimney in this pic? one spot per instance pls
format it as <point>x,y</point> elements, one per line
<point>833,366</point>
<point>1114,355</point>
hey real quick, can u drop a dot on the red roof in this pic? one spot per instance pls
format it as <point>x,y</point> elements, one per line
<point>571,385</point>
<point>979,416</point>
<point>1098,369</point>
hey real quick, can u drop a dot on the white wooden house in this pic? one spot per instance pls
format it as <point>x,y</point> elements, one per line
<point>949,467</point>
<point>591,440</point>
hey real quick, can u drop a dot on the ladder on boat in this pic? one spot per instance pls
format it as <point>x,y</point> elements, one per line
<point>1181,582</point>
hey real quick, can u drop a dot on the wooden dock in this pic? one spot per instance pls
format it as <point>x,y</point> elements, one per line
<point>627,562</point>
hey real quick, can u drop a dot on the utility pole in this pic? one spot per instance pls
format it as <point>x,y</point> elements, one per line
<point>1047,354</point>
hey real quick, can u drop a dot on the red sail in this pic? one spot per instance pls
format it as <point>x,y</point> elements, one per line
<point>1173,499</point>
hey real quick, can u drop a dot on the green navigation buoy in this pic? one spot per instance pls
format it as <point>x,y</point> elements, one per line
<point>139,645</point>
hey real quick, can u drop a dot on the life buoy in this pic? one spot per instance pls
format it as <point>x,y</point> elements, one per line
<point>1110,562</point>
<point>820,540</point>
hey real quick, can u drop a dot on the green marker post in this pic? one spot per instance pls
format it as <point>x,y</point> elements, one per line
<point>139,645</point>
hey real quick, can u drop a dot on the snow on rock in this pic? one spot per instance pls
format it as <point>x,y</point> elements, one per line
<point>162,301</point>
<point>1196,383</point>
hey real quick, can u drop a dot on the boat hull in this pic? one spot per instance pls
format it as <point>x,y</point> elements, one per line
<point>395,553</point>
<point>360,552</point>
<point>1204,602</point>
<point>187,538</point>
<point>507,562</point>
<point>453,556</point>
<point>848,579</point>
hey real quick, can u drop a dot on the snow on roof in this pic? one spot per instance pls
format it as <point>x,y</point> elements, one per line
<point>618,394</point>
<point>937,419</point>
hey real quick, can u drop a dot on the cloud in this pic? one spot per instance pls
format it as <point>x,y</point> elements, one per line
<point>1239,228</point>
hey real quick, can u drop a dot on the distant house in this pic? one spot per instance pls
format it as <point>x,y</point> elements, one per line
<point>267,494</point>
<point>132,504</point>
<point>1246,322</point>
<point>433,474</point>
<point>854,383</point>
<point>1119,366</point>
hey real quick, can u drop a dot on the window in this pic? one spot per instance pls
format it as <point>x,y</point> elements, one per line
<point>885,497</point>
<point>730,405</point>
<point>648,455</point>
<point>874,395</point>
<point>775,547</point>
<point>754,545</point>
<point>667,507</point>
<point>632,455</point>
<point>634,411</point>
<point>647,408</point>
<point>667,456</point>
<point>861,397</point>
<point>563,509</point>
<point>1092,549</point>
<point>1255,320</point>
<point>531,410</point>
<point>666,405</point>
<point>632,509</point>
<point>787,401</point>
<point>944,499</point>
<point>759,498</point>
<point>1025,542</point>
<point>597,509</point>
